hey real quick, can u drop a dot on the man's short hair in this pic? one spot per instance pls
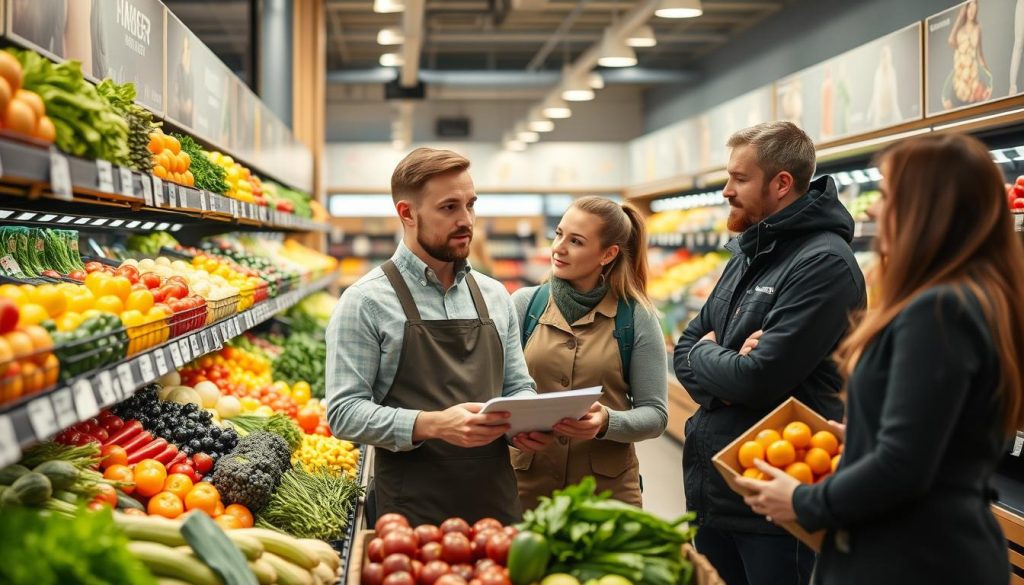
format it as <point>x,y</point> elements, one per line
<point>418,167</point>
<point>780,146</point>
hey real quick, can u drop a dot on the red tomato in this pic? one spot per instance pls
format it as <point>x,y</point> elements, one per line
<point>323,430</point>
<point>113,455</point>
<point>431,551</point>
<point>128,271</point>
<point>375,550</point>
<point>433,571</point>
<point>106,494</point>
<point>91,267</point>
<point>373,574</point>
<point>202,462</point>
<point>497,547</point>
<point>309,420</point>
<point>457,548</point>
<point>182,468</point>
<point>151,280</point>
<point>399,542</point>
<point>78,275</point>
<point>159,296</point>
<point>396,563</point>
<point>455,525</point>
<point>8,316</point>
<point>428,533</point>
<point>175,289</point>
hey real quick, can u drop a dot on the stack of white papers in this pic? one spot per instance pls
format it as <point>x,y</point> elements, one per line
<point>540,412</point>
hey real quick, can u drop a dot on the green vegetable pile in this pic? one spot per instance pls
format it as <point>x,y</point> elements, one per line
<point>87,549</point>
<point>208,176</point>
<point>140,122</point>
<point>591,535</point>
<point>312,503</point>
<point>300,201</point>
<point>87,125</point>
<point>313,313</point>
<point>280,424</point>
<point>252,471</point>
<point>36,250</point>
<point>149,245</point>
<point>98,341</point>
<point>304,358</point>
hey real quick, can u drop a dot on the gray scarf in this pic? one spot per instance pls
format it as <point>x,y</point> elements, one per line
<point>572,303</point>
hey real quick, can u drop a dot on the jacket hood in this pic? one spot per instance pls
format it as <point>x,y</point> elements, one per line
<point>818,210</point>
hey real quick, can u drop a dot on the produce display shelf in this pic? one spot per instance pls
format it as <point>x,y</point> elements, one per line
<point>40,417</point>
<point>357,522</point>
<point>713,239</point>
<point>83,188</point>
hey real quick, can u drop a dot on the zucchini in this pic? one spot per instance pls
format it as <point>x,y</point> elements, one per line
<point>32,488</point>
<point>283,546</point>
<point>287,573</point>
<point>151,529</point>
<point>264,572</point>
<point>65,496</point>
<point>169,581</point>
<point>124,502</point>
<point>216,550</point>
<point>322,551</point>
<point>61,474</point>
<point>250,547</point>
<point>325,574</point>
<point>12,472</point>
<point>163,561</point>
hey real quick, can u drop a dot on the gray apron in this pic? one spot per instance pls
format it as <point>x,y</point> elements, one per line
<point>444,363</point>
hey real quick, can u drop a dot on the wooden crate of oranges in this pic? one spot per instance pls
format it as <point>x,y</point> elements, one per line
<point>793,438</point>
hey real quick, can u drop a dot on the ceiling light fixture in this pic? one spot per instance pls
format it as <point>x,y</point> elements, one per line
<point>541,125</point>
<point>575,87</point>
<point>390,36</point>
<point>595,80</point>
<point>556,109</point>
<point>642,37</point>
<point>391,60</point>
<point>679,9</point>
<point>615,52</point>
<point>514,144</point>
<point>388,6</point>
<point>524,134</point>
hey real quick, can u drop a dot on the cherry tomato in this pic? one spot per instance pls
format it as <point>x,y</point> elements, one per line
<point>107,494</point>
<point>165,504</point>
<point>202,463</point>
<point>242,513</point>
<point>178,484</point>
<point>113,455</point>
<point>121,473</point>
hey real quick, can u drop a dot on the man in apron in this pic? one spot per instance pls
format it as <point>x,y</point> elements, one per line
<point>417,345</point>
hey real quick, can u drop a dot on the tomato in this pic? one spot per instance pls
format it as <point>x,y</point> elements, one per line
<point>106,494</point>
<point>511,531</point>
<point>479,542</point>
<point>450,579</point>
<point>485,523</point>
<point>390,518</point>
<point>494,576</point>
<point>242,513</point>
<point>455,525</point>
<point>228,522</point>
<point>178,280</point>
<point>165,504</point>
<point>372,574</point>
<point>78,275</point>
<point>182,468</point>
<point>159,296</point>
<point>375,550</point>
<point>178,484</point>
<point>219,510</point>
<point>175,289</point>
<point>309,419</point>
<point>463,570</point>
<point>399,578</point>
<point>433,571</point>
<point>96,505</point>
<point>149,481</point>
<point>497,548</point>
<point>128,271</point>
<point>399,541</point>
<point>396,563</point>
<point>91,267</point>
<point>202,462</point>
<point>113,455</point>
<point>133,512</point>
<point>151,280</point>
<point>121,473</point>
<point>456,548</point>
<point>203,497</point>
<point>428,533</point>
<point>432,551</point>
<point>323,430</point>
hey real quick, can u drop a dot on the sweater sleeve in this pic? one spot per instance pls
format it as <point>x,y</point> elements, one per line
<point>648,383</point>
<point>937,350</point>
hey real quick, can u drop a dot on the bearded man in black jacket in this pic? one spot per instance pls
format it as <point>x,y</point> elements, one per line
<point>766,333</point>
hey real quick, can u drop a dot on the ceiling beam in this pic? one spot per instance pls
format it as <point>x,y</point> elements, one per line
<point>412,29</point>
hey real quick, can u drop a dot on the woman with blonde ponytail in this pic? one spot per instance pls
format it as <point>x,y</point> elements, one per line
<point>592,324</point>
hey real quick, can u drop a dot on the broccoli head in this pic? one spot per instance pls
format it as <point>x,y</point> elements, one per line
<point>246,481</point>
<point>266,445</point>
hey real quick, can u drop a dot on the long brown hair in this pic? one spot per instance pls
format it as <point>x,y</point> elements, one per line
<point>623,225</point>
<point>947,222</point>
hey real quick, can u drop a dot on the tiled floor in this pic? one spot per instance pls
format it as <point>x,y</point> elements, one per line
<point>661,465</point>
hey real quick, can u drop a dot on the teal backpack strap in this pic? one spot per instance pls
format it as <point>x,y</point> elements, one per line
<point>625,334</point>
<point>538,304</point>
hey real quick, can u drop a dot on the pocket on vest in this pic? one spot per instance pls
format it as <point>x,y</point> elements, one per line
<point>610,459</point>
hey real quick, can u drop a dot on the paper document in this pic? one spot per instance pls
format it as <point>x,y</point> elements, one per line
<point>542,411</point>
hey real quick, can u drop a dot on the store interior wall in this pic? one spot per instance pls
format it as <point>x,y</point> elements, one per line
<point>360,114</point>
<point>804,34</point>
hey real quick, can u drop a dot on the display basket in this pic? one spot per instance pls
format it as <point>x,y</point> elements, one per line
<point>27,375</point>
<point>146,335</point>
<point>87,354</point>
<point>246,298</point>
<point>222,309</point>
<point>188,320</point>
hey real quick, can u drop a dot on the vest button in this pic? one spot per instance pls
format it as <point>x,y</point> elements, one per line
<point>565,381</point>
<point>563,440</point>
<point>571,344</point>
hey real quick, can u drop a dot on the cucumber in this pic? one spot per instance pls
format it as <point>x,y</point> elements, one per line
<point>287,573</point>
<point>250,547</point>
<point>322,551</point>
<point>125,502</point>
<point>163,561</point>
<point>282,545</point>
<point>32,488</point>
<point>66,496</point>
<point>61,474</point>
<point>325,574</point>
<point>216,550</point>
<point>151,529</point>
<point>264,571</point>
<point>11,473</point>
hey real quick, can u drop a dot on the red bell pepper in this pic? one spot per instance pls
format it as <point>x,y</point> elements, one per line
<point>181,457</point>
<point>168,454</point>
<point>138,441</point>
<point>128,431</point>
<point>150,451</point>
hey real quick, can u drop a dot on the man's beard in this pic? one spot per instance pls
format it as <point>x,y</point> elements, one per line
<point>739,220</point>
<point>445,252</point>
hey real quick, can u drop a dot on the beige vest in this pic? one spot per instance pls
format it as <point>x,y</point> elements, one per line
<point>561,357</point>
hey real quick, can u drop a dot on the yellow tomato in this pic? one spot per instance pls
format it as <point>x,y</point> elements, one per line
<point>81,300</point>
<point>50,298</point>
<point>139,300</point>
<point>109,304</point>
<point>282,388</point>
<point>69,321</point>
<point>117,286</point>
<point>249,403</point>
<point>132,320</point>
<point>265,411</point>
<point>14,294</point>
<point>32,314</point>
<point>94,282</point>
<point>300,394</point>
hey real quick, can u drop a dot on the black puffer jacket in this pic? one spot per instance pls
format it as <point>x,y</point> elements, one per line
<point>794,276</point>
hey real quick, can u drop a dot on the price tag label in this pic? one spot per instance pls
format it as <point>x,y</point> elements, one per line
<point>1018,221</point>
<point>60,175</point>
<point>85,400</point>
<point>689,240</point>
<point>127,182</point>
<point>64,408</point>
<point>104,382</point>
<point>194,341</point>
<point>701,239</point>
<point>158,192</point>
<point>172,195</point>
<point>105,176</point>
<point>160,358</point>
<point>186,350</point>
<point>176,357</point>
<point>42,418</point>
<point>204,203</point>
<point>182,196</point>
<point>146,370</point>
<point>1018,444</point>
<point>147,192</point>
<point>10,451</point>
<point>127,379</point>
<point>233,204</point>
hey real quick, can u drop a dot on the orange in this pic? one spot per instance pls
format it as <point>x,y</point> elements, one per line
<point>203,496</point>
<point>219,509</point>
<point>33,100</point>
<point>818,460</point>
<point>109,304</point>
<point>165,504</point>
<point>164,160</point>
<point>825,440</point>
<point>160,171</point>
<point>178,484</point>
<point>749,451</point>
<point>754,473</point>
<point>242,513</point>
<point>184,162</point>
<point>118,286</point>
<point>149,481</point>
<point>45,130</point>
<point>121,473</point>
<point>139,300</point>
<point>10,70</point>
<point>20,117</point>
<point>835,462</point>
<point>41,342</point>
<point>33,377</point>
<point>156,143</point>
<point>94,282</point>
<point>767,437</point>
<point>797,433</point>
<point>171,143</point>
<point>32,314</point>
<point>20,343</point>
<point>801,471</point>
<point>781,453</point>
<point>51,370</point>
<point>228,522</point>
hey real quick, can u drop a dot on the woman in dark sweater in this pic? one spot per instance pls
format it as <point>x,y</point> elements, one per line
<point>935,383</point>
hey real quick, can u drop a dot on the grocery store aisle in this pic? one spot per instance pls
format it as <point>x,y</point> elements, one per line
<point>661,465</point>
